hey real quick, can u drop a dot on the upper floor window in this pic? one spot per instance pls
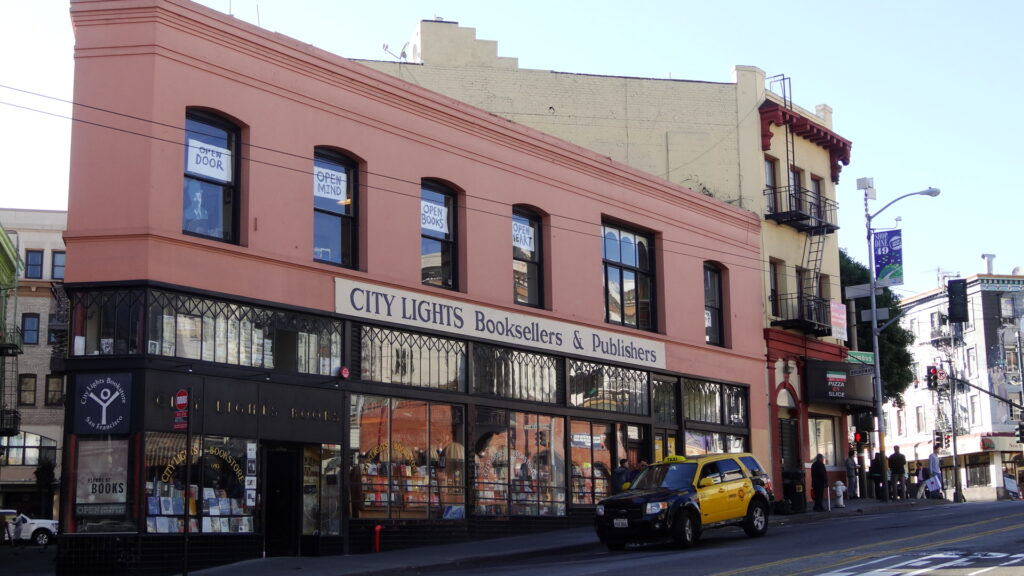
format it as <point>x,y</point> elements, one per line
<point>814,197</point>
<point>775,281</point>
<point>713,331</point>
<point>57,267</point>
<point>54,390</point>
<point>211,192</point>
<point>334,196</point>
<point>437,236</point>
<point>628,277</point>
<point>26,389</point>
<point>30,328</point>
<point>771,183</point>
<point>33,263</point>
<point>526,259</point>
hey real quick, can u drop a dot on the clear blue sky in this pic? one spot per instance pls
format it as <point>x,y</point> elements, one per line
<point>929,92</point>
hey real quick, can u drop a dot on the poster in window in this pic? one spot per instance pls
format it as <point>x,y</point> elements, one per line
<point>208,160</point>
<point>330,184</point>
<point>232,341</point>
<point>101,489</point>
<point>167,345</point>
<point>245,342</point>
<point>209,340</point>
<point>522,235</point>
<point>189,336</point>
<point>433,217</point>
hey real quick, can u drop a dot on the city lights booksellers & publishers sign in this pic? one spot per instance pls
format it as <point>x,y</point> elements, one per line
<point>416,310</point>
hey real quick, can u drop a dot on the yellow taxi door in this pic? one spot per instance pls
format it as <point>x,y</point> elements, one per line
<point>712,493</point>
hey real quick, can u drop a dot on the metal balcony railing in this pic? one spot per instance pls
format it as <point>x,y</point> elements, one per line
<point>808,314</point>
<point>11,341</point>
<point>802,209</point>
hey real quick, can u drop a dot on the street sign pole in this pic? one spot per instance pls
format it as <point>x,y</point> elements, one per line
<point>182,402</point>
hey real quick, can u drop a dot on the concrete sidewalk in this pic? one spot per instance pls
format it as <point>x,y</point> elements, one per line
<point>489,552</point>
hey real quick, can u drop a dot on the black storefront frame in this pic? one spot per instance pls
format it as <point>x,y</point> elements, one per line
<point>471,527</point>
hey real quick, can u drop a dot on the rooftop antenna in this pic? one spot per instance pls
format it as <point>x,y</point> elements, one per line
<point>401,55</point>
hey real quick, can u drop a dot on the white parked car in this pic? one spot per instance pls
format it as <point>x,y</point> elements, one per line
<point>37,530</point>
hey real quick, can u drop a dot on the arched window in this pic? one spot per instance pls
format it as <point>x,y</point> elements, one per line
<point>527,267</point>
<point>210,192</point>
<point>334,208</point>
<point>438,248</point>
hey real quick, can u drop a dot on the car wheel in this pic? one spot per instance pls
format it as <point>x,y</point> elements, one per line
<point>42,537</point>
<point>757,519</point>
<point>684,530</point>
<point>615,545</point>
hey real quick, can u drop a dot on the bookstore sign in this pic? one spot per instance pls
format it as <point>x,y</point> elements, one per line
<point>415,310</point>
<point>102,404</point>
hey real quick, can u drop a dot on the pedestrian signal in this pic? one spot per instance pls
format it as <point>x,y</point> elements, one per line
<point>860,437</point>
<point>937,438</point>
<point>931,376</point>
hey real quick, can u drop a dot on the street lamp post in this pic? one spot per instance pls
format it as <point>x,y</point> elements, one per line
<point>866,184</point>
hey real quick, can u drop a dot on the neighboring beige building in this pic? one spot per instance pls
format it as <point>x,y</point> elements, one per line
<point>738,142</point>
<point>39,394</point>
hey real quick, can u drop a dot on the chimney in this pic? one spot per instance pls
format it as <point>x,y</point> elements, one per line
<point>988,260</point>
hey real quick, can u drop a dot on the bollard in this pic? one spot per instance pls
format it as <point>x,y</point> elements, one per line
<point>376,537</point>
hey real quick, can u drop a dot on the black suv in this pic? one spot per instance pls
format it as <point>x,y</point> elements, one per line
<point>680,497</point>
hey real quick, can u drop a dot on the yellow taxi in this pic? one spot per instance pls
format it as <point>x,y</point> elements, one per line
<point>680,497</point>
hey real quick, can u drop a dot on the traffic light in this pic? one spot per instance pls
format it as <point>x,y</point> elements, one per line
<point>931,376</point>
<point>860,437</point>
<point>947,440</point>
<point>937,438</point>
<point>1020,432</point>
<point>957,300</point>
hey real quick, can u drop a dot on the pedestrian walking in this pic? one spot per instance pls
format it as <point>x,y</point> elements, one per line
<point>819,481</point>
<point>19,523</point>
<point>620,475</point>
<point>934,471</point>
<point>876,472</point>
<point>898,470</point>
<point>851,474</point>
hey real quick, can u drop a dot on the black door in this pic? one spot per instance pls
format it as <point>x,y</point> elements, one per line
<point>282,500</point>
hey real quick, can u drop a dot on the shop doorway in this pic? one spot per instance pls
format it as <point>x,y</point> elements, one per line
<point>282,497</point>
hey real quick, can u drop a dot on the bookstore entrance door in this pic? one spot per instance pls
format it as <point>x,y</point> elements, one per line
<point>282,498</point>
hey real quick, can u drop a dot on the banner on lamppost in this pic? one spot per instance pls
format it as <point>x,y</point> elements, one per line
<point>888,247</point>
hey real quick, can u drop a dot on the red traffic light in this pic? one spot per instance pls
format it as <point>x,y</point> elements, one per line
<point>860,437</point>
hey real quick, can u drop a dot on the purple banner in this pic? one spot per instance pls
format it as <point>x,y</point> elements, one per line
<point>888,246</point>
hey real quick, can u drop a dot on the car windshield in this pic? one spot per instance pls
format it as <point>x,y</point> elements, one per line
<point>675,476</point>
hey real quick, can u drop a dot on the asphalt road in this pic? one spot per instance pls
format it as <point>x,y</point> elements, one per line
<point>956,540</point>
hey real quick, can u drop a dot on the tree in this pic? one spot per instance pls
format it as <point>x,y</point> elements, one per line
<point>894,342</point>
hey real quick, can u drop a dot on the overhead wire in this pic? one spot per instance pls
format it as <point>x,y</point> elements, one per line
<point>762,264</point>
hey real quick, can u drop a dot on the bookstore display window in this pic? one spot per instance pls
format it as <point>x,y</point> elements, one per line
<point>605,387</point>
<point>591,465</point>
<point>100,480</point>
<point>189,327</point>
<point>397,357</point>
<point>519,463</point>
<point>221,494</point>
<point>410,462</point>
<point>516,374</point>
<point>702,442</point>
<point>321,490</point>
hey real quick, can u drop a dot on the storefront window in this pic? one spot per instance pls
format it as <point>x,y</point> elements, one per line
<point>702,401</point>
<point>515,374</point>
<point>591,463</point>
<point>698,442</point>
<point>330,469</point>
<point>411,459</point>
<point>413,359</point>
<point>520,463</point>
<point>665,399</point>
<point>219,492</point>
<point>101,486</point>
<point>107,323</point>
<point>604,387</point>
<point>822,437</point>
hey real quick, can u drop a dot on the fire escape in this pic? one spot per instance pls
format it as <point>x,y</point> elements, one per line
<point>10,349</point>
<point>804,210</point>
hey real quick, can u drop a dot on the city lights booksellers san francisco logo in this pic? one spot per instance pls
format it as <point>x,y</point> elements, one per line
<point>104,401</point>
